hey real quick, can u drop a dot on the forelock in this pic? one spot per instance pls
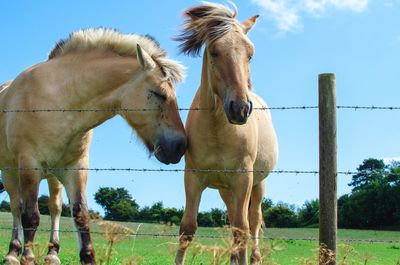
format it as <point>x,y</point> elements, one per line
<point>205,24</point>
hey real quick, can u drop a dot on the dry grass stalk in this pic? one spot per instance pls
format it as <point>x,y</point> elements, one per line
<point>220,254</point>
<point>39,251</point>
<point>349,256</point>
<point>326,255</point>
<point>113,233</point>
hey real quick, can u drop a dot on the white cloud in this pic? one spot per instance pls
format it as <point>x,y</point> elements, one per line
<point>287,13</point>
<point>287,17</point>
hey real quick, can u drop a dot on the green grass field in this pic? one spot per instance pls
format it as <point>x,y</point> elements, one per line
<point>158,250</point>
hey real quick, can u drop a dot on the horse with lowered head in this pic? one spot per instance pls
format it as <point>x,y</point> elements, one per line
<point>231,147</point>
<point>95,69</point>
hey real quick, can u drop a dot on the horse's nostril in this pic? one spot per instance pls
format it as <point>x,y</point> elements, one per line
<point>180,147</point>
<point>250,104</point>
<point>231,108</point>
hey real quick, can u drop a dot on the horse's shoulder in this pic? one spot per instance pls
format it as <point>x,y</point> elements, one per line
<point>258,100</point>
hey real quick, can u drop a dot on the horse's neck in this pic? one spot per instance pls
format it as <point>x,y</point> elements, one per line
<point>96,86</point>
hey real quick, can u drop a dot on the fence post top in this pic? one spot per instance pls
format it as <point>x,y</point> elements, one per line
<point>327,75</point>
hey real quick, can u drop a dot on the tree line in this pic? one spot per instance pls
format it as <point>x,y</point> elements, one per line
<point>373,203</point>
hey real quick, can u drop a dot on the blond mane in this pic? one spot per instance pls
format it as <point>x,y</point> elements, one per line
<point>122,44</point>
<point>205,23</point>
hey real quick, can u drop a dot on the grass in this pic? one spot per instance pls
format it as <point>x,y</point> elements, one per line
<point>128,249</point>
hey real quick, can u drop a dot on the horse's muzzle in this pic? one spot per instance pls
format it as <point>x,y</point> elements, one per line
<point>169,150</point>
<point>238,112</point>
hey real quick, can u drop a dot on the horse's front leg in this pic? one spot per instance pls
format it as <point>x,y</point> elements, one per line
<point>11,183</point>
<point>256,220</point>
<point>74,182</point>
<point>55,207</point>
<point>241,191</point>
<point>29,179</point>
<point>193,190</point>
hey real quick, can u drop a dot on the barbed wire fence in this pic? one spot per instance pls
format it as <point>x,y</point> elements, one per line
<point>226,171</point>
<point>132,233</point>
<point>116,110</point>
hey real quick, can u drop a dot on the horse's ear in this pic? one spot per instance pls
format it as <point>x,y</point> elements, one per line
<point>144,59</point>
<point>248,24</point>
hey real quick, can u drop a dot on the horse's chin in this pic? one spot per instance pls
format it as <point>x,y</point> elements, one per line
<point>167,160</point>
<point>234,122</point>
<point>162,159</point>
<point>240,121</point>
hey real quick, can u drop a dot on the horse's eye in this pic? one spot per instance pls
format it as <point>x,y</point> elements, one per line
<point>158,95</point>
<point>250,57</point>
<point>214,54</point>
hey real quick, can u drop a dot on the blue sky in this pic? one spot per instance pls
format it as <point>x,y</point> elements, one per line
<point>359,40</point>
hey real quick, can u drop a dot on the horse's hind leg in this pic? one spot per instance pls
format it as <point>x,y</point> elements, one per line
<point>55,207</point>
<point>255,220</point>
<point>188,228</point>
<point>10,181</point>
<point>29,179</point>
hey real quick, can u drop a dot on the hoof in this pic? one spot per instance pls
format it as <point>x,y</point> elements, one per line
<point>28,260</point>
<point>52,260</point>
<point>255,258</point>
<point>11,260</point>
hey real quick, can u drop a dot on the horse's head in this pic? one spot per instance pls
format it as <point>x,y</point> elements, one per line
<point>227,55</point>
<point>158,122</point>
<point>228,60</point>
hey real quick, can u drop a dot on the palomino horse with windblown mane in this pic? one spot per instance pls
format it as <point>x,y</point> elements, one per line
<point>94,69</point>
<point>225,136</point>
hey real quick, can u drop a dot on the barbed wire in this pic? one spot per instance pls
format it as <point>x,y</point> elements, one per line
<point>144,109</point>
<point>183,170</point>
<point>193,109</point>
<point>194,170</point>
<point>164,235</point>
<point>368,107</point>
<point>191,170</point>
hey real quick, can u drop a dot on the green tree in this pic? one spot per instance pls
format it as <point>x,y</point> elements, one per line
<point>5,206</point>
<point>156,211</point>
<point>281,215</point>
<point>265,205</point>
<point>66,211</point>
<point>43,204</point>
<point>172,215</point>
<point>369,172</point>
<point>219,217</point>
<point>374,202</point>
<point>205,219</point>
<point>117,203</point>
<point>144,215</point>
<point>308,215</point>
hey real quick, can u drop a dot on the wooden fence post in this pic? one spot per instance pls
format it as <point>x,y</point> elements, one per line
<point>327,168</point>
